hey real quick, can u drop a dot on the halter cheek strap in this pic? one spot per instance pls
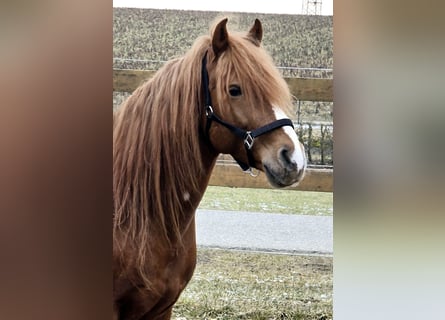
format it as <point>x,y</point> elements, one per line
<point>248,136</point>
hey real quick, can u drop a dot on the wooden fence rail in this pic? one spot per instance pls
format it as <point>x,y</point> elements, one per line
<point>227,173</point>
<point>231,175</point>
<point>303,88</point>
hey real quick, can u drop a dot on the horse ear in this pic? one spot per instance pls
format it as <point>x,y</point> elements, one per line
<point>220,40</point>
<point>256,32</point>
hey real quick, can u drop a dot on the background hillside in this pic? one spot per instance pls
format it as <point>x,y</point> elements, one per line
<point>292,40</point>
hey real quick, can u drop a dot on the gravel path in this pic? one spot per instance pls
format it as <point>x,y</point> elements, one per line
<point>284,233</point>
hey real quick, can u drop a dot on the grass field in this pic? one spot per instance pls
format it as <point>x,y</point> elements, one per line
<point>159,35</point>
<point>268,200</point>
<point>244,285</point>
<point>260,286</point>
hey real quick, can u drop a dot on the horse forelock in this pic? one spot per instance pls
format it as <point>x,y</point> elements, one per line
<point>260,80</point>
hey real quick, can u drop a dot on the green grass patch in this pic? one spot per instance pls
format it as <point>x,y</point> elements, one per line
<point>268,200</point>
<point>245,285</point>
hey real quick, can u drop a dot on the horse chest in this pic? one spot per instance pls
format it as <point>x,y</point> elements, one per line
<point>173,277</point>
<point>179,269</point>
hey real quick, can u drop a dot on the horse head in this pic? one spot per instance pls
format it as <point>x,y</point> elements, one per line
<point>246,104</point>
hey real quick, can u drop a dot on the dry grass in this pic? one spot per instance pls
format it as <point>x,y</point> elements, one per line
<point>245,285</point>
<point>268,200</point>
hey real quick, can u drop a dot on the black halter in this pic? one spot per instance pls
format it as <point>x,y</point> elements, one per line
<point>248,136</point>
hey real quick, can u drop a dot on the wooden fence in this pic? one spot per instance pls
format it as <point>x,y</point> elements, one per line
<point>227,173</point>
<point>304,89</point>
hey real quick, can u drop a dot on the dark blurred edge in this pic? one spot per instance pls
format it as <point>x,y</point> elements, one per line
<point>55,160</point>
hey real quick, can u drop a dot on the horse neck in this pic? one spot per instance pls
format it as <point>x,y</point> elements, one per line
<point>208,158</point>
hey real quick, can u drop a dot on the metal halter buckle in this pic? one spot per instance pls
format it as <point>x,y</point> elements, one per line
<point>248,140</point>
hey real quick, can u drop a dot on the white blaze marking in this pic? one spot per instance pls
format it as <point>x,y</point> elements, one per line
<point>186,196</point>
<point>298,155</point>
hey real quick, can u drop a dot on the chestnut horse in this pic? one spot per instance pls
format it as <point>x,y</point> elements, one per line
<point>223,96</point>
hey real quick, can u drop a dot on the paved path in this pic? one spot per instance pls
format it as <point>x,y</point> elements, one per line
<point>298,234</point>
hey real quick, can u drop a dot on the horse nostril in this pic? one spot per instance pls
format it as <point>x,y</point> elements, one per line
<point>286,159</point>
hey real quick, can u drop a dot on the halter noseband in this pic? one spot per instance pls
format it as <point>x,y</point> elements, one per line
<point>248,136</point>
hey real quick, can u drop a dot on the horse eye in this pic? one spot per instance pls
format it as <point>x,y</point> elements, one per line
<point>235,91</point>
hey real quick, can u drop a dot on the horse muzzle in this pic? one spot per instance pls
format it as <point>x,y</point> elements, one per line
<point>287,168</point>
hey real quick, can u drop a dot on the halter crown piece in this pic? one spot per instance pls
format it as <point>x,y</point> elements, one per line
<point>248,136</point>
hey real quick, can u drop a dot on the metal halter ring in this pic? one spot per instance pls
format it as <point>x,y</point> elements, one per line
<point>209,111</point>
